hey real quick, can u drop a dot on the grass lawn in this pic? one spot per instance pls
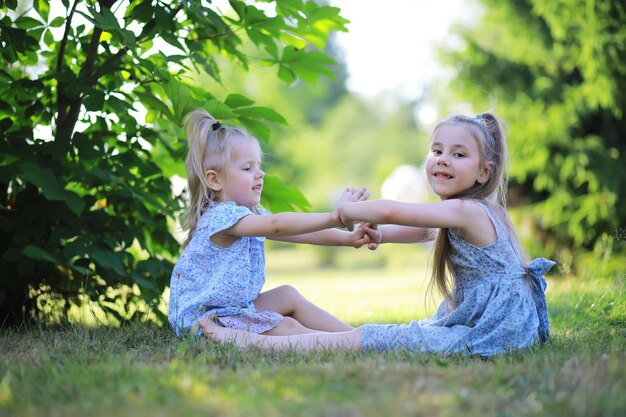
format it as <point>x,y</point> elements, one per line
<point>142,370</point>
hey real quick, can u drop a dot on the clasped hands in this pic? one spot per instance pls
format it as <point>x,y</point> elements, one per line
<point>362,233</point>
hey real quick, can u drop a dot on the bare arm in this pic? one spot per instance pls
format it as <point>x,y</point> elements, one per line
<point>375,235</point>
<point>283,224</point>
<point>447,213</point>
<point>404,234</point>
<point>331,237</point>
<point>328,237</point>
<point>467,218</point>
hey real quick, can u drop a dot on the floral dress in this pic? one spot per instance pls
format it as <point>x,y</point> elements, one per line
<point>498,309</point>
<point>209,280</point>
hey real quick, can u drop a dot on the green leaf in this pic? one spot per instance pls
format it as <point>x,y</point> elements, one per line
<point>43,8</point>
<point>144,283</point>
<point>57,22</point>
<point>289,7</point>
<point>237,100</point>
<point>306,65</point>
<point>105,20</point>
<point>166,161</point>
<point>287,75</point>
<point>152,101</point>
<point>45,179</point>
<point>120,106</point>
<point>256,128</point>
<point>278,197</point>
<point>219,110</point>
<point>263,113</point>
<point>48,38</point>
<point>81,270</point>
<point>239,7</point>
<point>17,38</point>
<point>26,22</point>
<point>172,40</point>
<point>164,20</point>
<point>180,96</point>
<point>108,260</point>
<point>143,11</point>
<point>38,254</point>
<point>94,101</point>
<point>328,13</point>
<point>209,65</point>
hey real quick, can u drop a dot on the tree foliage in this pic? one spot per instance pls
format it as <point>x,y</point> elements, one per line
<point>91,106</point>
<point>555,72</point>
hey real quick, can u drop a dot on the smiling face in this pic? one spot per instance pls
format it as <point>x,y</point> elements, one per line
<point>455,162</point>
<point>242,179</point>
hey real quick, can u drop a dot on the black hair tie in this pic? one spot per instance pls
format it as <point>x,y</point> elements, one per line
<point>216,125</point>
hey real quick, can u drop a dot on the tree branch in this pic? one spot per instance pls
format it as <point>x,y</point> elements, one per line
<point>62,111</point>
<point>98,73</point>
<point>66,34</point>
<point>69,107</point>
<point>92,53</point>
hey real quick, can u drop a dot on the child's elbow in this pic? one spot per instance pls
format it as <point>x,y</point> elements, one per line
<point>275,226</point>
<point>386,215</point>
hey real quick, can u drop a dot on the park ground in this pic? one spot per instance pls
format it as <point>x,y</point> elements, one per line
<point>141,369</point>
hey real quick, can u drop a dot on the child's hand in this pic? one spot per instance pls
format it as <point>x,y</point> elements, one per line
<point>367,234</point>
<point>350,195</point>
<point>374,235</point>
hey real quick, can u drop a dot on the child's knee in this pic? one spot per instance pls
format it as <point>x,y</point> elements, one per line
<point>289,323</point>
<point>290,292</point>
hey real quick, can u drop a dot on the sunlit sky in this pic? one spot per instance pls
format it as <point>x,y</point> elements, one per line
<point>390,44</point>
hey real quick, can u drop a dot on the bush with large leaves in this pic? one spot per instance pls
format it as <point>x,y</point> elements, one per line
<point>91,106</point>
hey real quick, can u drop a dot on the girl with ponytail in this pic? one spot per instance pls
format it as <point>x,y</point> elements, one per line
<point>494,298</point>
<point>220,273</point>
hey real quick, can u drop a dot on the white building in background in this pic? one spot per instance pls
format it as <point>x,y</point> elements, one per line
<point>406,183</point>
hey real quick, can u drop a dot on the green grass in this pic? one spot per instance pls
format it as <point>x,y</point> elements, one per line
<point>143,370</point>
<point>359,288</point>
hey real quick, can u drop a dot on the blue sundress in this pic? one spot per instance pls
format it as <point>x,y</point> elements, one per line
<point>209,280</point>
<point>497,308</point>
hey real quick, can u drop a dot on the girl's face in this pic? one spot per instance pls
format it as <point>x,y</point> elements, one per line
<point>454,163</point>
<point>242,180</point>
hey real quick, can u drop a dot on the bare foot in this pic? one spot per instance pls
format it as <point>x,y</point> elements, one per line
<point>211,329</point>
<point>225,335</point>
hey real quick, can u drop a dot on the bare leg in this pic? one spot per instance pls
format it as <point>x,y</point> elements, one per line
<point>287,301</point>
<point>310,342</point>
<point>289,326</point>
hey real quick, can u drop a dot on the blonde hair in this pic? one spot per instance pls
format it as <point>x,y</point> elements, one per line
<point>488,132</point>
<point>209,147</point>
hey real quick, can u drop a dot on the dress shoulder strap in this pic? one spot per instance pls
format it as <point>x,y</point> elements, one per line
<point>497,224</point>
